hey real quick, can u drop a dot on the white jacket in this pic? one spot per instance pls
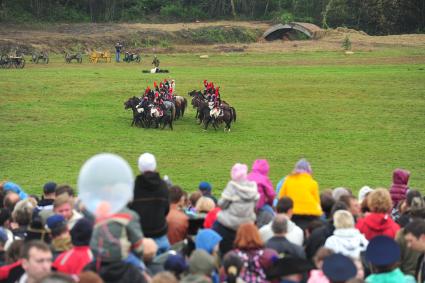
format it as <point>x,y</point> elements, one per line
<point>348,241</point>
<point>295,234</point>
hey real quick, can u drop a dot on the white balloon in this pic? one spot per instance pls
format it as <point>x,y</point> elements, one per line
<point>105,184</point>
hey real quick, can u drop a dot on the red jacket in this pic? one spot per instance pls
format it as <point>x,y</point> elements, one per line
<point>375,224</point>
<point>73,261</point>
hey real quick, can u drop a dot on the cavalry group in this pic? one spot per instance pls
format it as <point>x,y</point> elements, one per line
<point>160,105</point>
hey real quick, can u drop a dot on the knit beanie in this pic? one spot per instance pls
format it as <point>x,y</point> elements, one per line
<point>147,162</point>
<point>363,192</point>
<point>303,166</point>
<point>239,172</point>
<point>81,232</point>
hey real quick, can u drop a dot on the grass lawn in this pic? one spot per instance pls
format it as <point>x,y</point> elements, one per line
<point>355,118</point>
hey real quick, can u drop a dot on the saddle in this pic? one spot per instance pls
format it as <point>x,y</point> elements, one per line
<point>216,112</point>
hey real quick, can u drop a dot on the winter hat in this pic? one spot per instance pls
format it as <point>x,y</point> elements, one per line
<point>49,188</point>
<point>201,262</point>
<point>287,266</point>
<point>81,232</point>
<point>339,268</point>
<point>239,172</point>
<point>382,251</point>
<point>207,239</point>
<point>55,222</point>
<point>303,166</point>
<point>337,193</point>
<point>10,186</point>
<point>363,192</point>
<point>176,264</point>
<point>147,162</point>
<point>204,187</point>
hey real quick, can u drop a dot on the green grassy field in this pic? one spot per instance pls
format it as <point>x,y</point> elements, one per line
<point>356,118</point>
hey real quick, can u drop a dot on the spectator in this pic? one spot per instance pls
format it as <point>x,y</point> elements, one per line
<point>61,239</point>
<point>211,217</point>
<point>5,219</point>
<point>238,202</point>
<point>63,205</point>
<point>294,233</point>
<point>353,205</point>
<point>412,207</point>
<point>150,249</point>
<point>317,275</point>
<point>259,175</point>
<point>74,260</point>
<point>193,199</point>
<point>304,191</point>
<point>36,261</point>
<point>48,197</point>
<point>346,239</point>
<point>363,192</point>
<point>151,202</point>
<point>176,264</point>
<point>232,266</point>
<point>338,192</point>
<point>326,202</point>
<point>177,220</point>
<point>203,206</point>
<point>279,242</point>
<point>118,47</point>
<point>57,278</point>
<point>339,268</point>
<point>415,237</point>
<point>21,216</point>
<point>208,240</point>
<point>288,269</point>
<point>206,190</point>
<point>65,189</point>
<point>10,200</point>
<point>378,221</point>
<point>201,265</point>
<point>14,251</point>
<point>399,187</point>
<point>383,255</point>
<point>12,187</point>
<point>250,248</point>
<point>89,277</point>
<point>164,277</point>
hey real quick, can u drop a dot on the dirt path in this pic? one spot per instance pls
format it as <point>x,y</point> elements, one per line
<point>60,37</point>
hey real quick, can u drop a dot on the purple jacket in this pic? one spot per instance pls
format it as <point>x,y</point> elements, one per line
<point>399,187</point>
<point>259,174</point>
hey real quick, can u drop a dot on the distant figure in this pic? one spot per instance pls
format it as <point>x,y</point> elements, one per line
<point>155,62</point>
<point>118,47</point>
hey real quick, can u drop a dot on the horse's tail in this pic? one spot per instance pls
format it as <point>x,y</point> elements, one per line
<point>184,105</point>
<point>173,112</point>
<point>233,113</point>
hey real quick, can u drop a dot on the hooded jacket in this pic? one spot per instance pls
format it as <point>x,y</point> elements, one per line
<point>375,224</point>
<point>117,272</point>
<point>398,190</point>
<point>349,242</point>
<point>151,203</point>
<point>207,239</point>
<point>238,202</point>
<point>259,174</point>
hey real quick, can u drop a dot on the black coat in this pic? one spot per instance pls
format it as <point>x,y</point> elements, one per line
<point>117,272</point>
<point>318,238</point>
<point>151,203</point>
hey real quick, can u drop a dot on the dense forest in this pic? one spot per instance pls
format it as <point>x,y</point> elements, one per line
<point>372,16</point>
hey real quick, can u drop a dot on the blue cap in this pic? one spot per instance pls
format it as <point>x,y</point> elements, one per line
<point>49,187</point>
<point>3,235</point>
<point>55,221</point>
<point>176,264</point>
<point>205,186</point>
<point>207,239</point>
<point>382,251</point>
<point>339,268</point>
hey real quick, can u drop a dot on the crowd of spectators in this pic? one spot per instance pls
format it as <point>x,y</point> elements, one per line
<point>251,232</point>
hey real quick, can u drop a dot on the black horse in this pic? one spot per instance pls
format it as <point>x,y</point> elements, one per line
<point>138,113</point>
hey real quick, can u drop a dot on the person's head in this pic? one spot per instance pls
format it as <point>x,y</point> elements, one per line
<point>164,277</point>
<point>204,205</point>
<point>232,266</point>
<point>10,200</point>
<point>326,202</point>
<point>200,262</point>
<point>208,240</point>
<point>49,190</point>
<point>147,163</point>
<point>57,225</point>
<point>343,219</point>
<point>176,264</point>
<point>302,166</point>
<point>261,166</point>
<point>379,201</point>
<point>65,189</point>
<point>239,172</point>
<point>363,192</point>
<point>352,204</point>
<point>401,177</point>
<point>36,259</point>
<point>320,255</point>
<point>339,205</point>
<point>205,188</point>
<point>14,252</point>
<point>383,254</point>
<point>338,192</point>
<point>194,197</point>
<point>280,225</point>
<point>89,277</point>
<point>22,213</point>
<point>339,268</point>
<point>414,233</point>
<point>149,249</point>
<point>81,232</point>
<point>311,226</point>
<point>248,237</point>
<point>63,206</point>
<point>285,206</point>
<point>175,194</point>
<point>56,277</point>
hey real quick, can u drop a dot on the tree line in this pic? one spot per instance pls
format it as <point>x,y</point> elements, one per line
<point>371,16</point>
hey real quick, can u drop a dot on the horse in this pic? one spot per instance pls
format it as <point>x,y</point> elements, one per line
<point>228,116</point>
<point>181,104</point>
<point>163,118</point>
<point>138,113</point>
